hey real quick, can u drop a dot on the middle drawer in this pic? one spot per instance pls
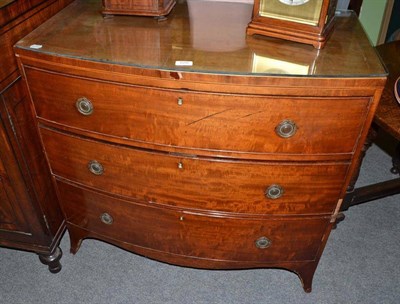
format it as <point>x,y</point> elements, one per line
<point>194,182</point>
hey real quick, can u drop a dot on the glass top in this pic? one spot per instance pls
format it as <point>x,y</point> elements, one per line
<point>207,36</point>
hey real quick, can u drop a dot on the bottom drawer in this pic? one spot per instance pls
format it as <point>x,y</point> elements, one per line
<point>199,235</point>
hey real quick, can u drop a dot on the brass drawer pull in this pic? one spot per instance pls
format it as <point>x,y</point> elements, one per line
<point>263,242</point>
<point>286,128</point>
<point>106,218</point>
<point>274,191</point>
<point>95,167</point>
<point>84,106</point>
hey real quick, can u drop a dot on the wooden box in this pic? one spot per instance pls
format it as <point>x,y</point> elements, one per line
<point>157,8</point>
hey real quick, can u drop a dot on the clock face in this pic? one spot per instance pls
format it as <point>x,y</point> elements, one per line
<point>294,2</point>
<point>299,11</point>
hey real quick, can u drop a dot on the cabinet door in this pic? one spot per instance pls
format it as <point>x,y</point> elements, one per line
<point>15,206</point>
<point>22,220</point>
<point>11,217</point>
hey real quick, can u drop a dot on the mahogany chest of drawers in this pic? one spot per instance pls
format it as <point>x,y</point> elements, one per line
<point>225,159</point>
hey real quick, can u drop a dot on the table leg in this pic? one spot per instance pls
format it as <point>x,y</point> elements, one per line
<point>396,160</point>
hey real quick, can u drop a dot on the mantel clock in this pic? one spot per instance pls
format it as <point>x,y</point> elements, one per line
<point>305,21</point>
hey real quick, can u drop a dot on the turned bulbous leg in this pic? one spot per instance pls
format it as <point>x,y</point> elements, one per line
<point>52,260</point>
<point>396,161</point>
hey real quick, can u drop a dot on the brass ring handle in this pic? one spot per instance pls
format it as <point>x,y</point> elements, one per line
<point>106,218</point>
<point>286,128</point>
<point>95,167</point>
<point>263,242</point>
<point>84,106</point>
<point>274,191</point>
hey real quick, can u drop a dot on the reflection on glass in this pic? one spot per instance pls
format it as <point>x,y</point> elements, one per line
<point>219,25</point>
<point>301,11</point>
<point>268,65</point>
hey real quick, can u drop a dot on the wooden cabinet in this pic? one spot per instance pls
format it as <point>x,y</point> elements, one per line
<point>215,169</point>
<point>30,218</point>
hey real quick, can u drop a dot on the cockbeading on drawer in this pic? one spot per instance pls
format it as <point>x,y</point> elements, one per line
<point>184,181</point>
<point>198,235</point>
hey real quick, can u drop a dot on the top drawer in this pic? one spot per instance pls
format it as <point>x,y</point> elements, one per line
<point>216,122</point>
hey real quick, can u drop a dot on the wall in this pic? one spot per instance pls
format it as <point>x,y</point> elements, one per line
<point>371,16</point>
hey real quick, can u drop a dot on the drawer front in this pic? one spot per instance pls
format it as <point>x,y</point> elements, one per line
<point>195,235</point>
<point>200,183</point>
<point>217,122</point>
